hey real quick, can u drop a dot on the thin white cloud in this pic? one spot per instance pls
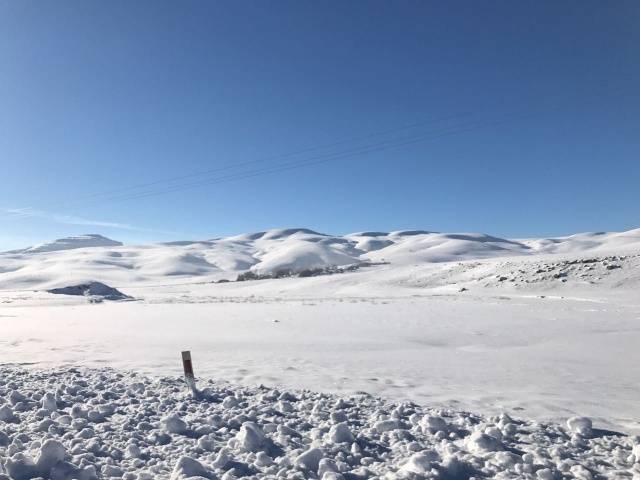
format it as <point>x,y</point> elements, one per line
<point>70,220</point>
<point>18,212</point>
<point>28,212</point>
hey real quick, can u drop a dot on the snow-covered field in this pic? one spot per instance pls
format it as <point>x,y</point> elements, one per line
<point>540,329</point>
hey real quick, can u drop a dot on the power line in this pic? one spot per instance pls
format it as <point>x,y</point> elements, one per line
<point>339,155</point>
<point>359,150</point>
<point>362,150</point>
<point>208,172</point>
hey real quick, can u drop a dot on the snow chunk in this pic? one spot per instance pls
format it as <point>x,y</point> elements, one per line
<point>174,424</point>
<point>420,462</point>
<point>223,458</point>
<point>21,467</point>
<point>433,424</point>
<point>51,452</point>
<point>16,397</point>
<point>635,452</point>
<point>545,474</point>
<point>310,459</point>
<point>580,473</point>
<point>505,460</point>
<point>6,414</point>
<point>230,402</point>
<point>332,476</point>
<point>187,467</point>
<point>479,442</point>
<point>388,425</point>
<point>251,437</point>
<point>263,460</point>
<point>580,425</point>
<point>49,402</point>
<point>325,466</point>
<point>340,433</point>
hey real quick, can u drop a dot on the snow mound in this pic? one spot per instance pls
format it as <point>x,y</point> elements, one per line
<point>70,243</point>
<point>92,290</point>
<point>408,233</point>
<point>107,423</point>
<point>588,242</point>
<point>298,256</point>
<point>424,247</point>
<point>369,244</point>
<point>277,234</point>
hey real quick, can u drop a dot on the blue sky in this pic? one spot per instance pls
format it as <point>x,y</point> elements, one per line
<point>525,117</point>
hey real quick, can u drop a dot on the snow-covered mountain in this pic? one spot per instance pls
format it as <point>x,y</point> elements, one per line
<point>273,252</point>
<point>70,243</point>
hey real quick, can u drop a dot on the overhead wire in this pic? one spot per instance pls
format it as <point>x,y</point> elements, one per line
<point>205,178</point>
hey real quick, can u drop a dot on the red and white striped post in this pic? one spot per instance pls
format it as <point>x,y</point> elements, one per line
<point>188,372</point>
<point>186,363</point>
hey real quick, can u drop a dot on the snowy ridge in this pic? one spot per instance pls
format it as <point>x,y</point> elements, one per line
<point>89,258</point>
<point>70,243</point>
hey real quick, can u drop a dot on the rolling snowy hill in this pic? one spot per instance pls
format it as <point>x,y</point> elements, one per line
<point>71,243</point>
<point>88,258</point>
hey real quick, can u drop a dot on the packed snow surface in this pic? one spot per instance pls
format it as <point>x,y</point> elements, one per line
<point>87,424</point>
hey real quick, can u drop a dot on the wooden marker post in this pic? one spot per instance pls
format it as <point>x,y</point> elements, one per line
<point>186,363</point>
<point>188,372</point>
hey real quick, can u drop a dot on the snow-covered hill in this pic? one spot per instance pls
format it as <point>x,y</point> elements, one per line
<point>89,258</point>
<point>92,257</point>
<point>70,243</point>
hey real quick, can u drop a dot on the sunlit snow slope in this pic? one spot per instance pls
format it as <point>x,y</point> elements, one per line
<point>87,258</point>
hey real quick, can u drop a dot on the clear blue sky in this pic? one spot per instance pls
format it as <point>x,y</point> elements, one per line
<point>96,96</point>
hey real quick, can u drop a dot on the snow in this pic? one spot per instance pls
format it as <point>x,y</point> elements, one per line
<point>534,335</point>
<point>187,467</point>
<point>256,439</point>
<point>585,242</point>
<point>340,433</point>
<point>250,437</point>
<point>71,243</point>
<point>401,331</point>
<point>174,424</point>
<point>580,425</point>
<point>309,460</point>
<point>296,257</point>
<point>80,260</point>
